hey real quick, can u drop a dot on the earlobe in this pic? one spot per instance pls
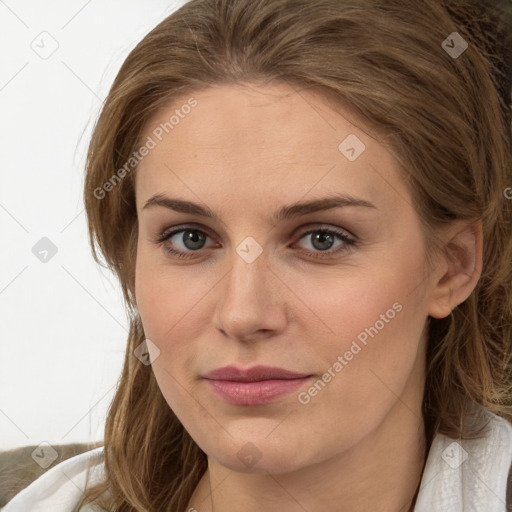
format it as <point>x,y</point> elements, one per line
<point>461,267</point>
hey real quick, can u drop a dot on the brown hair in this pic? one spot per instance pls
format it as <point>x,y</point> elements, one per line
<point>447,121</point>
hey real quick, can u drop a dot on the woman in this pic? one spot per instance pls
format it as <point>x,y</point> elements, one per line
<point>307,204</point>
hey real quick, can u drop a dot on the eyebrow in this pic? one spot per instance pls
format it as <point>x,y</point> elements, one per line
<point>284,213</point>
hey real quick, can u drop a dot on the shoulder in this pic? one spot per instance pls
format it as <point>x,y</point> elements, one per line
<point>60,488</point>
<point>468,474</point>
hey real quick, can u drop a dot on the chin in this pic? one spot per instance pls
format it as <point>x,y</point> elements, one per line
<point>260,456</point>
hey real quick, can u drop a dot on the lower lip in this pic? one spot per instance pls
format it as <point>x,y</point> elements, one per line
<point>255,393</point>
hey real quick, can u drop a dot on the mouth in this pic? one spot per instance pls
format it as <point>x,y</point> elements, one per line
<point>258,385</point>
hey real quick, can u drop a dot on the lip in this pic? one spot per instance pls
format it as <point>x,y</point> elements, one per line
<point>254,386</point>
<point>256,373</point>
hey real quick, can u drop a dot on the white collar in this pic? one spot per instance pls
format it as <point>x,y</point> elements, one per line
<point>468,475</point>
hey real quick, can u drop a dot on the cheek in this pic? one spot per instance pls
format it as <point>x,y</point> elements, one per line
<point>164,302</point>
<point>378,324</point>
<point>373,318</point>
<point>162,296</point>
<point>355,306</point>
<point>169,302</point>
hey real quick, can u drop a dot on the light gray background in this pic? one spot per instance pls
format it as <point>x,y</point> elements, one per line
<point>63,326</point>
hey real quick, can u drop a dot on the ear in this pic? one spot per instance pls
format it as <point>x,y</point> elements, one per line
<point>460,268</point>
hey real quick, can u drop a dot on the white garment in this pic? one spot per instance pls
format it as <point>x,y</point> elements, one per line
<point>60,488</point>
<point>470,476</point>
<point>466,477</point>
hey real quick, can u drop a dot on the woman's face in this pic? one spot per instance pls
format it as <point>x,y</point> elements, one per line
<point>264,284</point>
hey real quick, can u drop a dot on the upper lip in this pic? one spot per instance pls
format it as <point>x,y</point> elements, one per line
<point>256,373</point>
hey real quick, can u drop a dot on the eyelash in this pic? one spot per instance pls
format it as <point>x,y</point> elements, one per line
<point>348,242</point>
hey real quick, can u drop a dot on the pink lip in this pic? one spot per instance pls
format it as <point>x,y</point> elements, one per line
<point>254,386</point>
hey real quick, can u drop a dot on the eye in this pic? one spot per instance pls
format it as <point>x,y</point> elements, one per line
<point>184,241</point>
<point>191,240</point>
<point>324,239</point>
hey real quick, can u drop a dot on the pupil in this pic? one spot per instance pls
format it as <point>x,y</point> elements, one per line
<point>322,237</point>
<point>194,237</point>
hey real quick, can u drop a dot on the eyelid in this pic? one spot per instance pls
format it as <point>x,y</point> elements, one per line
<point>162,234</point>
<point>349,241</point>
<point>321,226</point>
<point>297,234</point>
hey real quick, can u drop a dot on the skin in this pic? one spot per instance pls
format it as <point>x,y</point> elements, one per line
<point>244,152</point>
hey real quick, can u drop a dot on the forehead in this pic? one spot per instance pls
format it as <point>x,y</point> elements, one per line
<point>262,141</point>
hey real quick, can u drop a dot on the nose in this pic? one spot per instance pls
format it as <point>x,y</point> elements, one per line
<point>250,300</point>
